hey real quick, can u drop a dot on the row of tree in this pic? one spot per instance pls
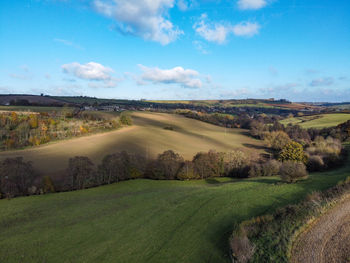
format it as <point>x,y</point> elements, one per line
<point>18,177</point>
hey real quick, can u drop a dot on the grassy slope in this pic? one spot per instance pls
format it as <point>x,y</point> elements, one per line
<point>147,137</point>
<point>143,220</point>
<point>325,120</point>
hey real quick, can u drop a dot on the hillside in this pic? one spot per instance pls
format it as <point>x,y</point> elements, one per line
<point>318,121</point>
<point>147,136</point>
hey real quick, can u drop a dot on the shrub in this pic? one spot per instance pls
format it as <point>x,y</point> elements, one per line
<point>210,164</point>
<point>315,163</point>
<point>255,170</point>
<point>270,168</point>
<point>187,171</point>
<point>292,151</point>
<point>48,185</point>
<point>242,249</point>
<point>236,164</point>
<point>290,171</point>
<point>276,139</point>
<point>125,119</point>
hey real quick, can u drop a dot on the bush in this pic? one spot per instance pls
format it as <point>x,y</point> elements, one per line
<point>255,170</point>
<point>270,168</point>
<point>242,249</point>
<point>276,139</point>
<point>315,163</point>
<point>125,119</point>
<point>210,164</point>
<point>187,172</point>
<point>236,164</point>
<point>48,186</point>
<point>292,151</point>
<point>290,171</point>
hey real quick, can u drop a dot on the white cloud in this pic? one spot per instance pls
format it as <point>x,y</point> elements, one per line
<point>144,18</point>
<point>213,32</point>
<point>188,78</point>
<point>218,32</point>
<point>88,71</point>
<point>251,4</point>
<point>67,43</point>
<point>246,29</point>
<point>322,82</point>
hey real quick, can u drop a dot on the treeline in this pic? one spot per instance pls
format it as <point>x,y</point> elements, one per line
<point>19,178</point>
<point>19,129</point>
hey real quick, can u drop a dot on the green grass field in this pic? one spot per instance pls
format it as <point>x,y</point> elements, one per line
<point>318,121</point>
<point>143,220</point>
<point>147,136</point>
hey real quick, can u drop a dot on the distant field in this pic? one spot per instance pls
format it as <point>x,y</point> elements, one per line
<point>318,121</point>
<point>147,136</point>
<point>143,220</point>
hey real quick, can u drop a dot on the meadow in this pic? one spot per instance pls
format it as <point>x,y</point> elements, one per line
<point>147,136</point>
<point>318,121</point>
<point>144,220</point>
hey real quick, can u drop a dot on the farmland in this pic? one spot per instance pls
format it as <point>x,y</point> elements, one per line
<point>143,220</point>
<point>318,121</point>
<point>147,136</point>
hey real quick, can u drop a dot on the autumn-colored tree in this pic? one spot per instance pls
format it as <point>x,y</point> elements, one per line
<point>236,163</point>
<point>33,121</point>
<point>277,139</point>
<point>210,164</point>
<point>290,171</point>
<point>292,151</point>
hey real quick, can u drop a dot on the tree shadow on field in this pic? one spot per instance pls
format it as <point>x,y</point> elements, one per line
<point>257,147</point>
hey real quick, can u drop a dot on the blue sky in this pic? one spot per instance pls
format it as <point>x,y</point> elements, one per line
<point>177,49</point>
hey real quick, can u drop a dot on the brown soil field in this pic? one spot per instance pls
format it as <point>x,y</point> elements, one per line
<point>147,136</point>
<point>327,240</point>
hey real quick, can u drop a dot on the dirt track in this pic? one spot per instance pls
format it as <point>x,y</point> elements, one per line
<point>327,240</point>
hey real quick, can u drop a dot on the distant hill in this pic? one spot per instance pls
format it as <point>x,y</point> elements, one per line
<point>14,99</point>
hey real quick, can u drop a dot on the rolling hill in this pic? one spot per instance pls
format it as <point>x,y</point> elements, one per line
<point>147,136</point>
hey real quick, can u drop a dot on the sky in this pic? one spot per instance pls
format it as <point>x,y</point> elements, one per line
<point>177,49</point>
